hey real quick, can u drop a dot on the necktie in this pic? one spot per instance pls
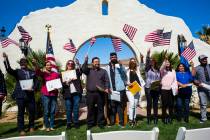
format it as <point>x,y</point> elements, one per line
<point>206,74</point>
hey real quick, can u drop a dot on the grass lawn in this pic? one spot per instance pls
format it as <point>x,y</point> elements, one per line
<point>167,132</point>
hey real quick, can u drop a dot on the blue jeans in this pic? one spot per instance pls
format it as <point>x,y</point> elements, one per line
<point>49,105</point>
<point>183,101</point>
<point>72,106</point>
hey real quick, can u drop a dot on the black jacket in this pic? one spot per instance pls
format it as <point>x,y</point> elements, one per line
<point>3,89</point>
<point>20,74</point>
<point>95,78</point>
<point>77,84</point>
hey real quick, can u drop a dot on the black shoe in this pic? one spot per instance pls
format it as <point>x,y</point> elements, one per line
<point>76,125</point>
<point>68,126</point>
<point>89,127</point>
<point>155,121</point>
<point>170,120</point>
<point>186,119</point>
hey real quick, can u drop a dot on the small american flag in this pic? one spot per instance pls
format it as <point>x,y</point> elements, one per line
<point>189,52</point>
<point>7,41</point>
<point>163,40</point>
<point>49,54</point>
<point>92,41</point>
<point>129,31</point>
<point>154,36</point>
<point>117,44</point>
<point>70,47</point>
<point>25,35</point>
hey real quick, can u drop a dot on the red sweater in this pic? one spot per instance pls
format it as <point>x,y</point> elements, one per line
<point>47,77</point>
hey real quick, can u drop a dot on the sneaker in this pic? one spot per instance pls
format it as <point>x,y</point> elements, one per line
<point>202,121</point>
<point>47,129</point>
<point>121,126</point>
<point>22,133</point>
<point>52,129</point>
<point>31,130</point>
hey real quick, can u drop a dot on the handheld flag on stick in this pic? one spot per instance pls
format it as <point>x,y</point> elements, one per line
<point>164,39</point>
<point>117,44</point>
<point>25,35</point>
<point>189,52</point>
<point>49,51</point>
<point>7,41</point>
<point>92,42</point>
<point>154,36</point>
<point>130,31</point>
<point>70,46</point>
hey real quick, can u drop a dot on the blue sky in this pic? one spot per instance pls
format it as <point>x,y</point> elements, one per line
<point>195,13</point>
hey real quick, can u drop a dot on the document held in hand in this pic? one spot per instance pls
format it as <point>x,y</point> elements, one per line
<point>53,84</point>
<point>26,84</point>
<point>68,75</point>
<point>134,88</point>
<point>115,95</point>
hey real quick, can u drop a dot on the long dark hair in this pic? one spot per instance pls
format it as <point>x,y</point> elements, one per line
<point>130,64</point>
<point>185,68</point>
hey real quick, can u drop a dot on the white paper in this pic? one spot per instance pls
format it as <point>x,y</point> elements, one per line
<point>67,75</point>
<point>206,86</point>
<point>53,84</point>
<point>115,95</point>
<point>26,84</point>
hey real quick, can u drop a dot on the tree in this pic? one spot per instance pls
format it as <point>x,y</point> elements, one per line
<point>204,34</point>
<point>160,56</point>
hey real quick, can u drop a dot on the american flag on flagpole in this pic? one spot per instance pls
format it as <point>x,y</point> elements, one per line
<point>117,44</point>
<point>92,41</point>
<point>189,52</point>
<point>164,39</point>
<point>129,31</point>
<point>25,35</point>
<point>49,53</point>
<point>70,46</point>
<point>154,36</point>
<point>7,41</point>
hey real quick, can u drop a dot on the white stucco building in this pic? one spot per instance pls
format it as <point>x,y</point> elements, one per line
<point>83,19</point>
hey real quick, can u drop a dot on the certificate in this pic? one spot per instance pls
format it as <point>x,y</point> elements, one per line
<point>134,88</point>
<point>53,84</point>
<point>68,75</point>
<point>206,86</point>
<point>26,84</point>
<point>115,95</point>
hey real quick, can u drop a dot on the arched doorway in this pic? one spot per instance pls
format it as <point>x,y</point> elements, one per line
<point>102,48</point>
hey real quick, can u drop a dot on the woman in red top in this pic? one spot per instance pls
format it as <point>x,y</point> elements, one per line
<point>49,98</point>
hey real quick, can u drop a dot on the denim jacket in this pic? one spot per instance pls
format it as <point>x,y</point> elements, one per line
<point>120,77</point>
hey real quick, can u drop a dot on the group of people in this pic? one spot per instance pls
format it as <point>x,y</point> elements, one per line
<point>173,86</point>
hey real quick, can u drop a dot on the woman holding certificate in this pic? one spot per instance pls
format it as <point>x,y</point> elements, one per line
<point>72,91</point>
<point>184,80</point>
<point>23,92</point>
<point>133,93</point>
<point>152,87</point>
<point>49,92</point>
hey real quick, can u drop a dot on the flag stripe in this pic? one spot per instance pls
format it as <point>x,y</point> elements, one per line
<point>117,44</point>
<point>154,36</point>
<point>70,47</point>
<point>7,41</point>
<point>25,35</point>
<point>92,41</point>
<point>129,31</point>
<point>50,54</point>
<point>189,52</point>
